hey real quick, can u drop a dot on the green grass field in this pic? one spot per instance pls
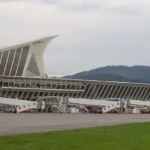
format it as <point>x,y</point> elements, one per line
<point>121,137</point>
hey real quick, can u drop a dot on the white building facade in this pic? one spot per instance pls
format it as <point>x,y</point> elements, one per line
<point>24,60</point>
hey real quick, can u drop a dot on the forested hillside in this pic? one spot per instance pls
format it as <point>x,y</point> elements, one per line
<point>116,73</point>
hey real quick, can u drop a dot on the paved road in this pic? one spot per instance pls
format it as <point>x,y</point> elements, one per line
<point>28,123</point>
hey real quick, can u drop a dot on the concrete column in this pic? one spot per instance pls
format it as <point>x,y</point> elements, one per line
<point>121,106</point>
<point>39,106</point>
<point>46,106</point>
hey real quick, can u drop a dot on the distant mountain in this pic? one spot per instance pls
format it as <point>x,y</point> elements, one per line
<point>140,74</point>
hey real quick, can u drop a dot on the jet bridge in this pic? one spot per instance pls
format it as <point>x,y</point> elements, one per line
<point>105,104</point>
<point>140,103</point>
<point>18,105</point>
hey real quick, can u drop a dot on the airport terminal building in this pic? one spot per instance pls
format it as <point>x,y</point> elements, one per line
<point>22,76</point>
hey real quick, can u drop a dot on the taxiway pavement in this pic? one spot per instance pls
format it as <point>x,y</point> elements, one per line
<point>43,122</point>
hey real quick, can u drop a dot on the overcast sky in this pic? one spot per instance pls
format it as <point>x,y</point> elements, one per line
<point>93,33</point>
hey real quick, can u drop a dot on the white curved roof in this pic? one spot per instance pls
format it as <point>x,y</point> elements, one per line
<point>30,42</point>
<point>24,59</point>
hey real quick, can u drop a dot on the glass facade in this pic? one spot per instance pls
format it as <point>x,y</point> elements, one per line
<point>33,67</point>
<point>9,62</point>
<point>3,62</point>
<point>22,60</point>
<point>12,61</point>
<point>16,61</point>
<point>0,56</point>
